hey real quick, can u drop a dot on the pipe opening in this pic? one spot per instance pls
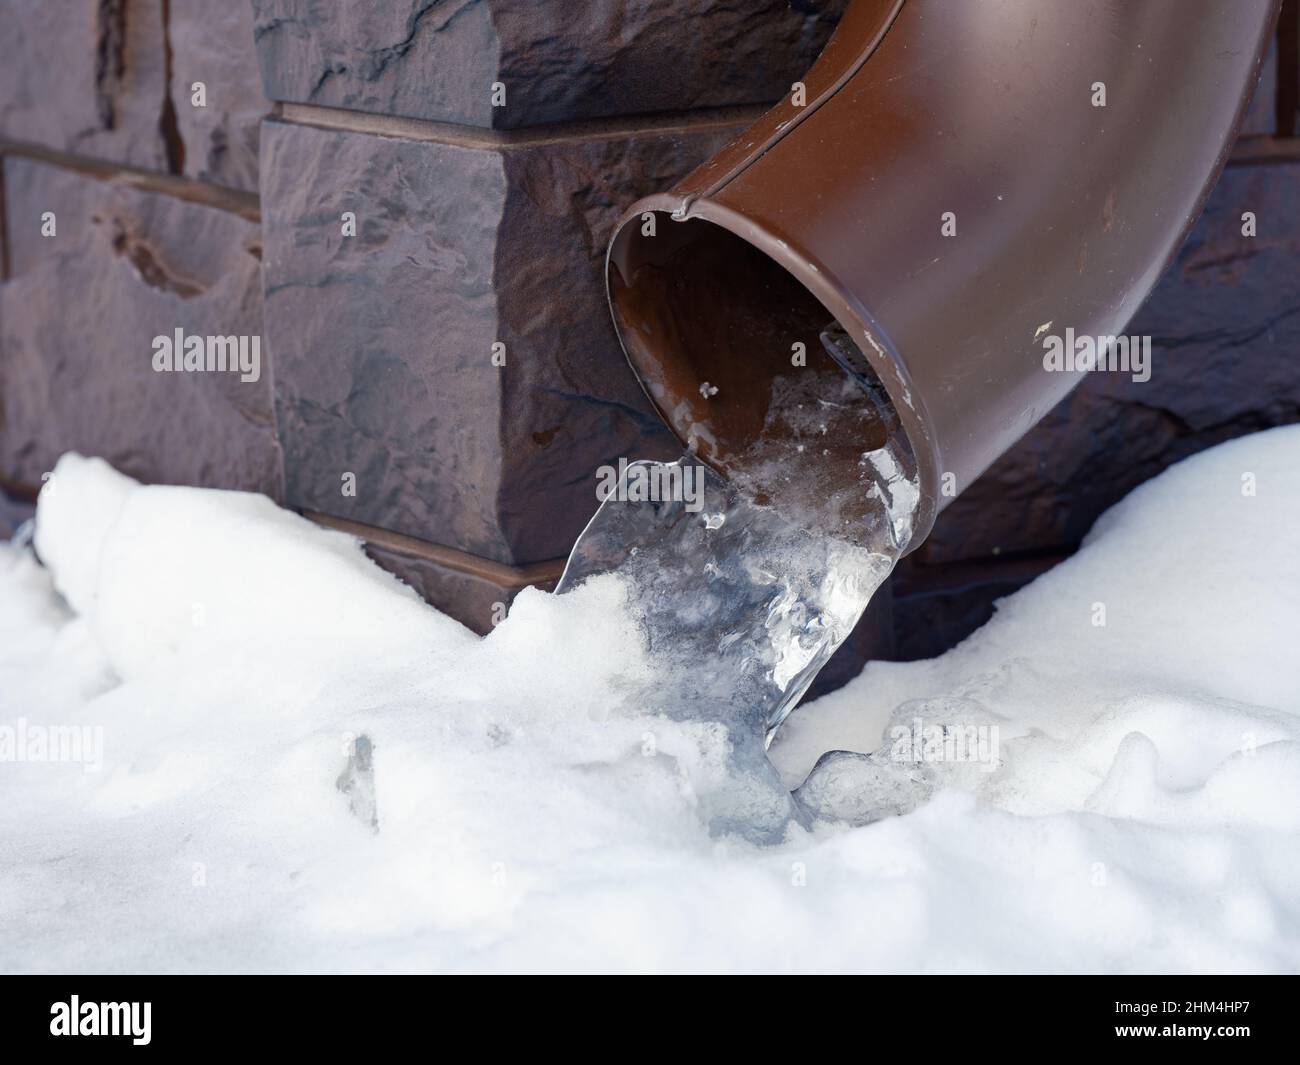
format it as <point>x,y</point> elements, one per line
<point>754,374</point>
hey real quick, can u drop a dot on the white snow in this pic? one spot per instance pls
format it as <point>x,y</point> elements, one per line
<point>1144,812</point>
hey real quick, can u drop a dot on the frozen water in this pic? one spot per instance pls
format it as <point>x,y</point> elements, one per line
<point>744,594</point>
<point>739,609</point>
<point>857,789</point>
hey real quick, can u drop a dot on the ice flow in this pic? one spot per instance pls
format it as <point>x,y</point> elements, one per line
<point>742,601</point>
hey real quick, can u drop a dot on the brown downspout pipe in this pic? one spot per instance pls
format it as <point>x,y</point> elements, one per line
<point>1065,214</point>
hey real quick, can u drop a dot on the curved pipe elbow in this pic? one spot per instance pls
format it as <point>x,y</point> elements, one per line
<point>957,179</point>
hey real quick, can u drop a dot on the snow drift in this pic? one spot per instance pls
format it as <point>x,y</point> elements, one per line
<point>1143,811</point>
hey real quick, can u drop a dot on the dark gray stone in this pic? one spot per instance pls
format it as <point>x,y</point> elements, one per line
<point>560,60</point>
<point>77,320</point>
<point>1225,323</point>
<point>383,341</point>
<point>938,606</point>
<point>569,402</point>
<point>85,76</point>
<point>213,43</point>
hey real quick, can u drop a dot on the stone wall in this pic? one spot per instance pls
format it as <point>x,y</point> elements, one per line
<point>408,203</point>
<point>386,194</point>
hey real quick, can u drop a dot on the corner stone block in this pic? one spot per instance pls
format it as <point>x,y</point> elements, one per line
<point>559,60</point>
<point>77,320</point>
<point>383,341</point>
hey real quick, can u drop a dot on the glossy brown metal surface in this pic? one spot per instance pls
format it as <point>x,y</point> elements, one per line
<point>1066,214</point>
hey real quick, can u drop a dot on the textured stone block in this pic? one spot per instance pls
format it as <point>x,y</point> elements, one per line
<point>383,341</point>
<point>213,43</point>
<point>1225,323</point>
<point>86,76</point>
<point>77,320</point>
<point>559,60</point>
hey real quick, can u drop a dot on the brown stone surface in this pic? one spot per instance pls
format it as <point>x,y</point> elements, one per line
<point>85,76</point>
<point>383,341</point>
<point>1225,323</point>
<point>77,320</point>
<point>213,43</point>
<point>476,601</point>
<point>560,60</point>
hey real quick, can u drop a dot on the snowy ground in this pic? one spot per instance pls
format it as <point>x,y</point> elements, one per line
<point>1143,812</point>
